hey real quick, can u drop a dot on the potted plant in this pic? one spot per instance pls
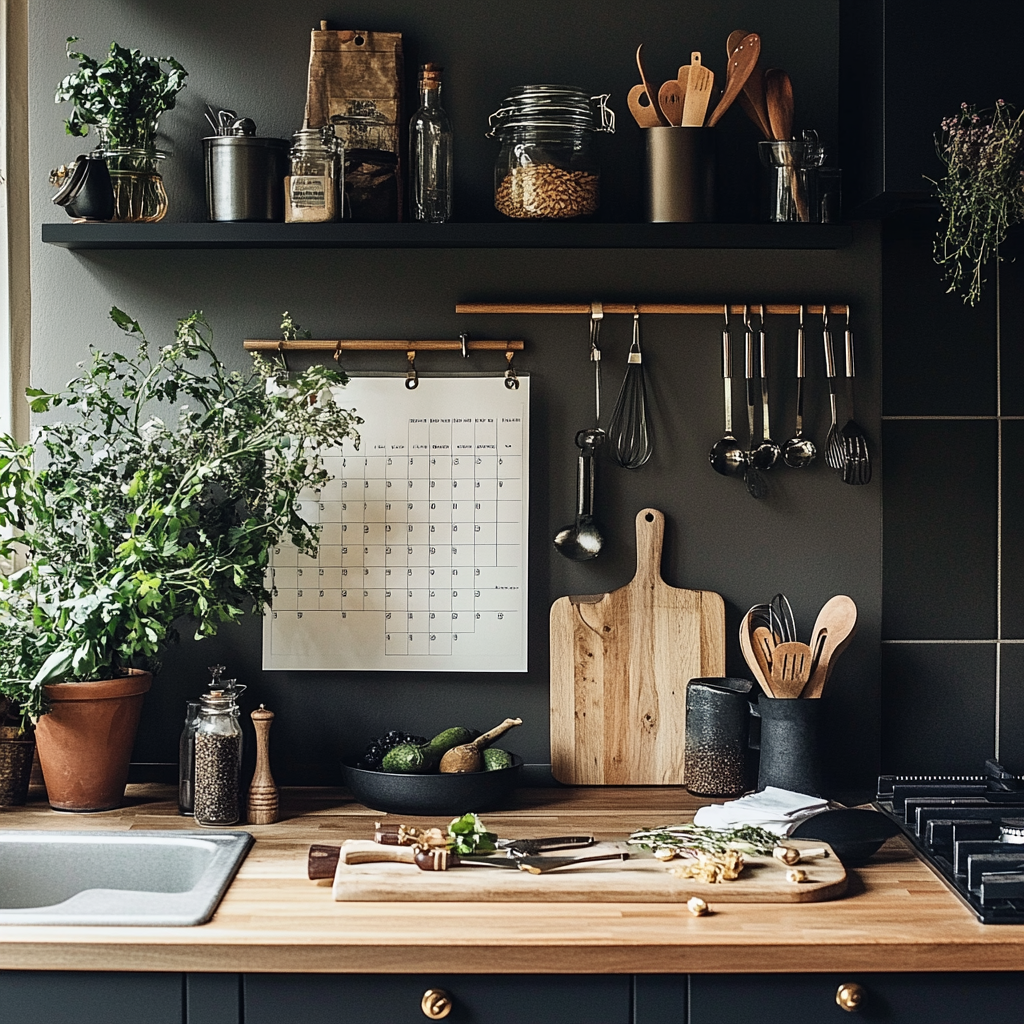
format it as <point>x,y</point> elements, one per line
<point>124,96</point>
<point>155,501</point>
<point>17,739</point>
<point>982,192</point>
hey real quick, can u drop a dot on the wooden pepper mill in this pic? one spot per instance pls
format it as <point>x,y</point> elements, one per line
<point>263,798</point>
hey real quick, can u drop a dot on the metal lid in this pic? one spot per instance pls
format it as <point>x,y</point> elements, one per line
<point>222,141</point>
<point>552,106</point>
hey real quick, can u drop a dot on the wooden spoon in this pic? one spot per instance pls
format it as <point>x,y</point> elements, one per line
<point>670,99</point>
<point>751,99</point>
<point>699,84</point>
<point>791,668</point>
<point>838,618</point>
<point>741,64</point>
<point>779,95</point>
<point>754,663</point>
<point>651,94</point>
<point>645,115</point>
<point>469,757</point>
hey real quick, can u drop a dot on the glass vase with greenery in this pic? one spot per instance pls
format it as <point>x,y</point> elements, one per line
<point>155,502</point>
<point>982,192</point>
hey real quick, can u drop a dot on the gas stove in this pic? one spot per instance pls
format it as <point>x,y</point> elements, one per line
<point>970,829</point>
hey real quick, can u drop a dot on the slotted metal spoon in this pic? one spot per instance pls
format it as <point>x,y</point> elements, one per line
<point>856,457</point>
<point>834,455</point>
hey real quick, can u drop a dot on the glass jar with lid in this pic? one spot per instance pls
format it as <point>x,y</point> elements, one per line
<point>217,798</point>
<point>547,168</point>
<point>313,188</point>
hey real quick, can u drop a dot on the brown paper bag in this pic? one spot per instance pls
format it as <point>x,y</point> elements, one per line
<point>355,86</point>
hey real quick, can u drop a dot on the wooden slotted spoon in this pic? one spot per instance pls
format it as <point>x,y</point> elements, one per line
<point>699,84</point>
<point>751,98</point>
<point>791,668</point>
<point>741,64</point>
<point>670,100</point>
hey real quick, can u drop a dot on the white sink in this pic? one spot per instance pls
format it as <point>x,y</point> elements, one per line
<point>123,878</point>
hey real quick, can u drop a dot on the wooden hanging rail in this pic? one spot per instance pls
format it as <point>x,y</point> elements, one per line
<point>374,345</point>
<point>583,308</point>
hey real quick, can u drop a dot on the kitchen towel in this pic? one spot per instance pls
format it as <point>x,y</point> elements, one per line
<point>777,810</point>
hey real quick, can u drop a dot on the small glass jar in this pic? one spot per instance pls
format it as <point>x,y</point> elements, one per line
<point>187,760</point>
<point>218,744</point>
<point>313,188</point>
<point>791,180</point>
<point>547,168</point>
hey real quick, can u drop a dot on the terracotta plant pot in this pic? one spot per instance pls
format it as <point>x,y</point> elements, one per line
<point>15,766</point>
<point>86,740</point>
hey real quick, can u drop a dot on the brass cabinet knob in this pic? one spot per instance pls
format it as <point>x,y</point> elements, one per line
<point>436,1003</point>
<point>851,996</point>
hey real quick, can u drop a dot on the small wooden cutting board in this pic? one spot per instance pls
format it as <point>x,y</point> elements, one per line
<point>641,879</point>
<point>620,663</point>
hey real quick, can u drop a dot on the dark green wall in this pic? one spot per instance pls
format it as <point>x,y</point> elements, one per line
<point>812,538</point>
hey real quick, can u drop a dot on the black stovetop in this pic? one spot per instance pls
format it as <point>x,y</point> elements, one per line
<point>957,824</point>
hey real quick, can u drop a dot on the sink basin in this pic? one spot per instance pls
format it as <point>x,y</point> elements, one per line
<point>132,878</point>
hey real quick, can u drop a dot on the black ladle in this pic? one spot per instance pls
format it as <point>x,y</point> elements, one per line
<point>727,455</point>
<point>582,540</point>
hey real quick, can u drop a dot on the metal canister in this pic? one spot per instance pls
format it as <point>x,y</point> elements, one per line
<point>245,177</point>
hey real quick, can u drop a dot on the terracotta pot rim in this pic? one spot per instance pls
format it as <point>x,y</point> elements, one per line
<point>136,682</point>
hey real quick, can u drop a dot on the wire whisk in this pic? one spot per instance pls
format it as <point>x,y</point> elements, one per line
<point>632,441</point>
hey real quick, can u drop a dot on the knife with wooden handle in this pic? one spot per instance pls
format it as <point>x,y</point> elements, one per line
<point>322,861</point>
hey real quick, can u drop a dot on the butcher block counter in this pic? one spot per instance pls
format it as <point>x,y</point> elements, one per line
<point>896,915</point>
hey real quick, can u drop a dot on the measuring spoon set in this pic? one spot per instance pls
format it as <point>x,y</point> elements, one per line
<point>846,449</point>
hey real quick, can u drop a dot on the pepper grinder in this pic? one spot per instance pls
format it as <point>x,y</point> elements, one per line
<point>263,798</point>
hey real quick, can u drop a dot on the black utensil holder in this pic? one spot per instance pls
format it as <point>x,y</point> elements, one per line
<point>790,755</point>
<point>680,179</point>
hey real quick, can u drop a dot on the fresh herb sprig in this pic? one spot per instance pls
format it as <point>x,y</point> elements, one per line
<point>690,839</point>
<point>469,835</point>
<point>982,192</point>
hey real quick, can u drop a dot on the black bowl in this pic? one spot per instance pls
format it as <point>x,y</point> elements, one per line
<point>447,794</point>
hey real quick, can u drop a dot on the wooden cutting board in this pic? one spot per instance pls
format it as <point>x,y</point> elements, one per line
<point>641,879</point>
<point>620,663</point>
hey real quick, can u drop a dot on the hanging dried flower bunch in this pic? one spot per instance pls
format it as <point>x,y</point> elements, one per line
<point>982,193</point>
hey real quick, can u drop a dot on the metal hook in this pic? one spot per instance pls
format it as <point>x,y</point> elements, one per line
<point>746,317</point>
<point>411,380</point>
<point>847,316</point>
<point>464,338</point>
<point>511,380</point>
<point>824,315</point>
<point>337,352</point>
<point>725,310</point>
<point>284,357</point>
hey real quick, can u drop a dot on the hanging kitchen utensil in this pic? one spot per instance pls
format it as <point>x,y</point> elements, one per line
<point>645,115</point>
<point>582,540</point>
<point>619,667</point>
<point>837,620</point>
<point>652,96</point>
<point>596,316</point>
<point>833,443</point>
<point>630,431</point>
<point>751,476</point>
<point>799,451</point>
<point>670,100</point>
<point>782,613</point>
<point>741,64</point>
<point>766,454</point>
<point>727,456</point>
<point>856,457</point>
<point>700,83</point>
<point>778,91</point>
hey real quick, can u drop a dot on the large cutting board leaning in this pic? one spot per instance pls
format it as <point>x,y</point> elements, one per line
<point>620,663</point>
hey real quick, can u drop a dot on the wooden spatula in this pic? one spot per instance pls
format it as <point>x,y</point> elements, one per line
<point>778,92</point>
<point>652,96</point>
<point>699,84</point>
<point>791,668</point>
<point>639,106</point>
<point>750,657</point>
<point>741,64</point>
<point>670,99</point>
<point>838,618</point>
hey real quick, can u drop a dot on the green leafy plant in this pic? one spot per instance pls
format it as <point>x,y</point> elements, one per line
<point>467,835</point>
<point>123,96</point>
<point>982,192</point>
<point>157,500</point>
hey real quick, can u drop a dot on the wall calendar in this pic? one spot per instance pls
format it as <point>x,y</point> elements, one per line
<point>422,562</point>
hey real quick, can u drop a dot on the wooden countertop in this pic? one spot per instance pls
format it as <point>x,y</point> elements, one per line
<point>897,915</point>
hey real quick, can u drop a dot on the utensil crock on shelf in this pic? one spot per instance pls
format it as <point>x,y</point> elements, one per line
<point>790,754</point>
<point>680,175</point>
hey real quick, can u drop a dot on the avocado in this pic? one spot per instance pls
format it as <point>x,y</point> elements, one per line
<point>496,758</point>
<point>406,758</point>
<point>444,741</point>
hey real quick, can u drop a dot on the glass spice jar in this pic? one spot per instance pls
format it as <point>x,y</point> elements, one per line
<point>547,167</point>
<point>218,745</point>
<point>313,188</point>
<point>187,760</point>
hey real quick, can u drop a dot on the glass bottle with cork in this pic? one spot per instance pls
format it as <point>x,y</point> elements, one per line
<point>218,753</point>
<point>430,151</point>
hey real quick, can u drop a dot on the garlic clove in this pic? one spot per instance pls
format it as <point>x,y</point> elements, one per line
<point>696,906</point>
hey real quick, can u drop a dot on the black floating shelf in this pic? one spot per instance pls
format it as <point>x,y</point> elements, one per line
<point>447,236</point>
